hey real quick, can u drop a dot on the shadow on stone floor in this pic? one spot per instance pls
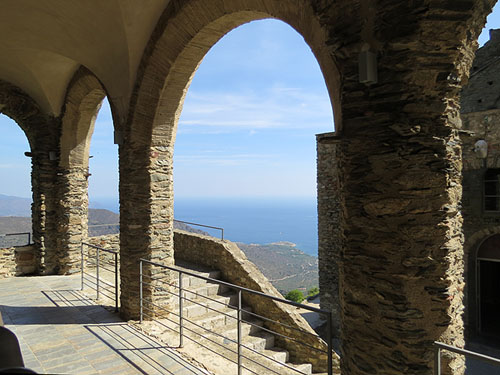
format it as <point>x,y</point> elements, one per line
<point>69,307</point>
<point>141,351</point>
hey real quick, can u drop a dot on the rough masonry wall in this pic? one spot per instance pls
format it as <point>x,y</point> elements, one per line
<point>480,107</point>
<point>18,261</point>
<point>478,225</point>
<point>235,268</point>
<point>329,225</point>
<point>401,274</point>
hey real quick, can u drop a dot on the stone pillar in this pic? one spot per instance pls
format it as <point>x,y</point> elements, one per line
<point>401,274</point>
<point>45,201</point>
<point>329,225</point>
<point>73,214</point>
<point>146,216</point>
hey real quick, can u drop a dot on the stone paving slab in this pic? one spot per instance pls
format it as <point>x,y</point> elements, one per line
<point>63,331</point>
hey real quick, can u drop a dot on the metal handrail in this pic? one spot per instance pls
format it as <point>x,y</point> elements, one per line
<point>239,308</point>
<point>98,281</point>
<point>203,225</point>
<point>175,220</point>
<point>468,353</point>
<point>18,234</point>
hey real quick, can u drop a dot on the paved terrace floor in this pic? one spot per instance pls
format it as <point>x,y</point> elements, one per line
<point>62,331</point>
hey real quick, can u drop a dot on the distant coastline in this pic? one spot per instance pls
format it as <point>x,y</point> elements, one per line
<point>262,220</point>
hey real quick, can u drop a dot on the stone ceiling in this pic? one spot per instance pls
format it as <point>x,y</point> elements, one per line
<point>43,42</point>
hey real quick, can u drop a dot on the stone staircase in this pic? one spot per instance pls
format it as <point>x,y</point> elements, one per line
<point>212,307</point>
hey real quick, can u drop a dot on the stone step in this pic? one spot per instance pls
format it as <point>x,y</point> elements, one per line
<point>258,345</point>
<point>261,355</point>
<point>219,322</point>
<point>203,306</point>
<point>189,281</point>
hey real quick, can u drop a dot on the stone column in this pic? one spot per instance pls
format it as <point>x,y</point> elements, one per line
<point>329,225</point>
<point>401,274</point>
<point>45,199</point>
<point>146,216</point>
<point>73,214</point>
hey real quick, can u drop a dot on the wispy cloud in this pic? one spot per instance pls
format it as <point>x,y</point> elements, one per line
<point>224,159</point>
<point>274,108</point>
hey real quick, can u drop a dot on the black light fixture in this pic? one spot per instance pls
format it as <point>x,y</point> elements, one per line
<point>368,67</point>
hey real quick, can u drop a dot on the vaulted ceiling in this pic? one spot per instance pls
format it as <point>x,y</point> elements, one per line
<point>43,42</point>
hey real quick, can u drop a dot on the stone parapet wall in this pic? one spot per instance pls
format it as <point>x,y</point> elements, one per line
<point>235,268</point>
<point>107,241</point>
<point>17,261</point>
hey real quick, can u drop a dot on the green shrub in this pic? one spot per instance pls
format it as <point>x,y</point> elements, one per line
<point>313,292</point>
<point>295,296</point>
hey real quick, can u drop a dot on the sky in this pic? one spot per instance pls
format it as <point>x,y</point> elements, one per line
<point>247,128</point>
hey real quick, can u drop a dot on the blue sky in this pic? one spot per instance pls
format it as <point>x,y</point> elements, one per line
<point>246,130</point>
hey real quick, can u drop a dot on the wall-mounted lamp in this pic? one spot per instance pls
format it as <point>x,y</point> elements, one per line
<point>28,154</point>
<point>481,149</point>
<point>118,137</point>
<point>368,67</point>
<point>52,155</point>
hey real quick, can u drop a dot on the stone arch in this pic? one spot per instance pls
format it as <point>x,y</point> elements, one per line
<point>41,132</point>
<point>82,103</point>
<point>20,107</point>
<point>184,34</point>
<point>175,52</point>
<point>471,248</point>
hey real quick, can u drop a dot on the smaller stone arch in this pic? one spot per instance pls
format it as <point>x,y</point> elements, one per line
<point>82,103</point>
<point>488,284</point>
<point>41,132</point>
<point>472,246</point>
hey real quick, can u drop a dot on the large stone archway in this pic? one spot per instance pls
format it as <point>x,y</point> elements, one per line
<point>169,64</point>
<point>401,255</point>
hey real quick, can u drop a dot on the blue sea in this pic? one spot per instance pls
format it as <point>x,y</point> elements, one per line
<point>249,220</point>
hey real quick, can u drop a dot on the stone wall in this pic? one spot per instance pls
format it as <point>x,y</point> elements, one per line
<point>18,261</point>
<point>329,225</point>
<point>108,241</point>
<point>235,268</point>
<point>480,106</point>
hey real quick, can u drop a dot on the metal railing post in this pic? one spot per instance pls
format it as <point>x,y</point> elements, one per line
<point>222,233</point>
<point>97,274</point>
<point>140,290</point>
<point>329,336</point>
<point>239,332</point>
<point>437,361</point>
<point>181,317</point>
<point>82,267</point>
<point>116,282</point>
<point>29,238</point>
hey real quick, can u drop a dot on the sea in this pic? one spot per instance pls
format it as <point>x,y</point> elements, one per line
<point>249,220</point>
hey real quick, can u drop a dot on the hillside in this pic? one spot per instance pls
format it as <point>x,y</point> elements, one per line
<point>284,265</point>
<point>14,206</point>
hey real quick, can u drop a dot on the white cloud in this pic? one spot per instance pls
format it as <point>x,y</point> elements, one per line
<point>213,158</point>
<point>274,108</point>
